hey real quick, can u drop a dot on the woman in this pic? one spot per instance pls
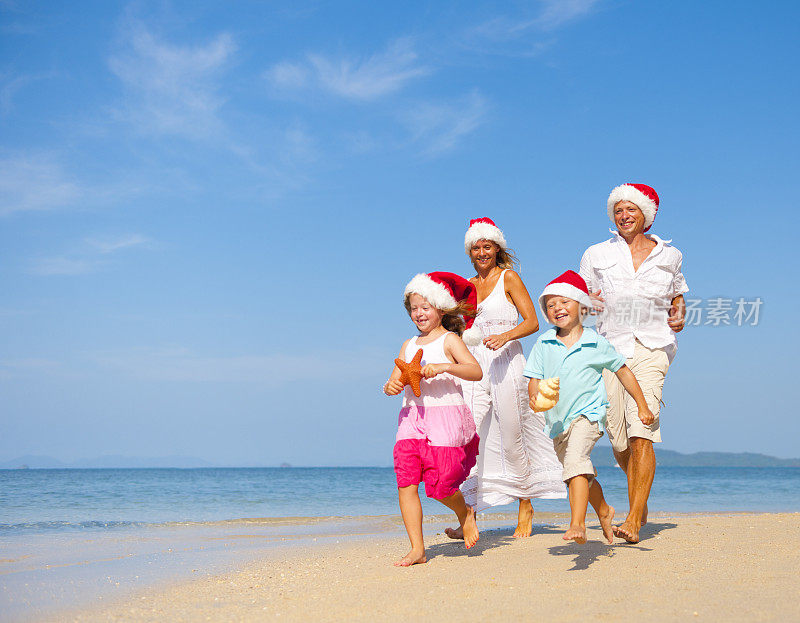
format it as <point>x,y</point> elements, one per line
<point>516,460</point>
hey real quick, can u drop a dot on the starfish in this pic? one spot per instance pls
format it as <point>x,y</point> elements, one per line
<point>411,372</point>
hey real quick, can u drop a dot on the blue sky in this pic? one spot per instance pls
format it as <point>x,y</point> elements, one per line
<point>208,211</point>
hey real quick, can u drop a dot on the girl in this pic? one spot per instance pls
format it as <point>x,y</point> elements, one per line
<point>517,461</point>
<point>436,440</point>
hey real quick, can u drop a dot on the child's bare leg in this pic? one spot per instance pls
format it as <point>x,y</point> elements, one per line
<point>524,519</point>
<point>578,501</point>
<point>605,512</point>
<point>411,509</point>
<point>466,517</point>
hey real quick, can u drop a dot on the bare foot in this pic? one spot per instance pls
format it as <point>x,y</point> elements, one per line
<point>470,529</point>
<point>644,515</point>
<point>628,531</point>
<point>605,523</point>
<point>412,558</point>
<point>575,533</point>
<point>524,520</point>
<point>455,533</point>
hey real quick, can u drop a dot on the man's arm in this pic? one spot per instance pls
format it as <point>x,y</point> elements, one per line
<point>677,314</point>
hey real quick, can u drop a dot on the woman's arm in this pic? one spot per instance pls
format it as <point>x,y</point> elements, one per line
<point>464,365</point>
<point>522,301</point>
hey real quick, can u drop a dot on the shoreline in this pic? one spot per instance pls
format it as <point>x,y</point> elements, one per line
<point>736,565</point>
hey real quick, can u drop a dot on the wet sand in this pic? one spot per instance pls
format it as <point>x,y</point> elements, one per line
<point>740,567</point>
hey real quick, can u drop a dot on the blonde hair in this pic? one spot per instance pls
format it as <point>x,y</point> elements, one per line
<point>453,318</point>
<point>505,258</point>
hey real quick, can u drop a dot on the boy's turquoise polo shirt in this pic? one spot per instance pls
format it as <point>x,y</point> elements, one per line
<point>580,370</point>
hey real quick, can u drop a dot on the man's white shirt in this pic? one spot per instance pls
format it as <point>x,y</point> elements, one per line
<point>637,302</point>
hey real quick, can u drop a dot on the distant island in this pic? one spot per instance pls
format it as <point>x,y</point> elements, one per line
<point>602,456</point>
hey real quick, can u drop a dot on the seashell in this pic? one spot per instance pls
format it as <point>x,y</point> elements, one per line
<point>548,394</point>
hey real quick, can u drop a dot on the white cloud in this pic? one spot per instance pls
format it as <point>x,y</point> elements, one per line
<point>34,182</point>
<point>90,257</point>
<point>286,75</point>
<point>172,89</point>
<point>181,364</point>
<point>49,266</point>
<point>352,78</point>
<point>437,128</point>
<point>558,12</point>
<point>11,85</point>
<point>109,245</point>
<point>517,34</point>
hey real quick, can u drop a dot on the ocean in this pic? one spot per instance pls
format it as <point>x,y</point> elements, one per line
<point>71,538</point>
<point>35,501</point>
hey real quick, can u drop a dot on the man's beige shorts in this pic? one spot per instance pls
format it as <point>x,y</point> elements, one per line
<point>649,366</point>
<point>574,448</point>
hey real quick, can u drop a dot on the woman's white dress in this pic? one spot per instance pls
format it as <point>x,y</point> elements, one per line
<point>516,459</point>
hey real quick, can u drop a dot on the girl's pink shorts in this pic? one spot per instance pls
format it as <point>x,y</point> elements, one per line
<point>442,468</point>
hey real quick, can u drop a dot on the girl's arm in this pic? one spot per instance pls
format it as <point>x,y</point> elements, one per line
<point>522,301</point>
<point>465,366</point>
<point>632,386</point>
<point>533,391</point>
<point>393,386</point>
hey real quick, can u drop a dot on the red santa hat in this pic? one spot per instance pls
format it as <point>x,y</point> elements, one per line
<point>483,229</point>
<point>445,291</point>
<point>569,284</point>
<point>645,198</point>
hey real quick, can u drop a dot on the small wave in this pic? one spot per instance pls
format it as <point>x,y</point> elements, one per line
<point>44,526</point>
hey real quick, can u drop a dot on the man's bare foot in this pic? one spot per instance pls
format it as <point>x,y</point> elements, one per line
<point>605,523</point>
<point>628,531</point>
<point>412,558</point>
<point>575,533</point>
<point>470,529</point>
<point>524,520</point>
<point>455,533</point>
<point>644,515</point>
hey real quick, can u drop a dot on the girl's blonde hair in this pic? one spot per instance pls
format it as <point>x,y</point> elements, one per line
<point>453,318</point>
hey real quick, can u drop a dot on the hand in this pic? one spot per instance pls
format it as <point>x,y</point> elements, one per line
<point>598,302</point>
<point>392,387</point>
<point>495,342</point>
<point>430,370</point>
<point>646,416</point>
<point>677,315</point>
<point>532,404</point>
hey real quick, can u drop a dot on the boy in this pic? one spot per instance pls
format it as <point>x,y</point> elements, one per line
<point>578,355</point>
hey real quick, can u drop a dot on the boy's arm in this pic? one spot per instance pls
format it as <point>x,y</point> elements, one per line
<point>632,386</point>
<point>533,391</point>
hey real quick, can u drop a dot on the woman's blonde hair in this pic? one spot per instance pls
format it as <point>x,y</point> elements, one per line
<point>453,318</point>
<point>505,258</point>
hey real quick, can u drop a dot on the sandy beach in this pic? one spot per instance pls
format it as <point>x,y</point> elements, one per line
<point>738,566</point>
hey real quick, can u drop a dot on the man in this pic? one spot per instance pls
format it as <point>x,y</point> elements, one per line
<point>637,286</point>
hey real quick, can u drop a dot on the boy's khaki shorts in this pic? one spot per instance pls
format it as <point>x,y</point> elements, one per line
<point>574,448</point>
<point>649,366</point>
